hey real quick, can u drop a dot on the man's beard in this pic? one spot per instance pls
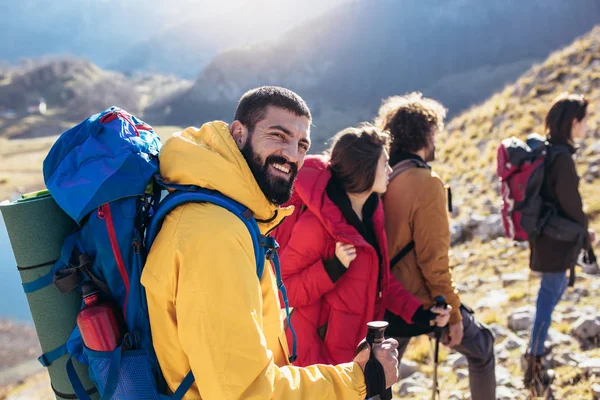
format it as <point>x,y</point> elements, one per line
<point>277,190</point>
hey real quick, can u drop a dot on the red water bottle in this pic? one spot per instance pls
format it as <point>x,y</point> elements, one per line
<point>99,322</point>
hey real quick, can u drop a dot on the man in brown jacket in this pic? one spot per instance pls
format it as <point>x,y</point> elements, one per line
<point>418,232</point>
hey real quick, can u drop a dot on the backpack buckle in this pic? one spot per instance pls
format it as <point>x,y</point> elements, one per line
<point>270,245</point>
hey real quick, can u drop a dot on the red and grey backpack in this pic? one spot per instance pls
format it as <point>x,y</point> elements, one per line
<point>522,170</point>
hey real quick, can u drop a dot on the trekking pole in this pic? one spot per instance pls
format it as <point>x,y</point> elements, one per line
<point>374,372</point>
<point>440,301</point>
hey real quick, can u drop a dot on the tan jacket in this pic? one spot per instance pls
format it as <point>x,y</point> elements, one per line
<point>415,207</point>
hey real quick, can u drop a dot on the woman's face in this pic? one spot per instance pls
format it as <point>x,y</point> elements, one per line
<point>382,174</point>
<point>578,128</point>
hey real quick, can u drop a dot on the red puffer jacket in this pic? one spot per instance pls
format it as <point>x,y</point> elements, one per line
<point>337,312</point>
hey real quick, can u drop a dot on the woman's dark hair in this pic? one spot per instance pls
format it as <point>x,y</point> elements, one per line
<point>354,155</point>
<point>565,108</point>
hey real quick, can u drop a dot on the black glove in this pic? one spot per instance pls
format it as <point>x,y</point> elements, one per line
<point>424,317</point>
<point>400,328</point>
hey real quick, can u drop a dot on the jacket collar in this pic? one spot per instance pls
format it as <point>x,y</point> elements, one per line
<point>400,156</point>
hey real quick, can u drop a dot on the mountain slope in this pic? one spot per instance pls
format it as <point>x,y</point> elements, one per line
<point>344,62</point>
<point>178,38</point>
<point>74,88</point>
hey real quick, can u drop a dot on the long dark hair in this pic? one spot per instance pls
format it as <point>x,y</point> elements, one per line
<point>565,108</point>
<point>354,155</point>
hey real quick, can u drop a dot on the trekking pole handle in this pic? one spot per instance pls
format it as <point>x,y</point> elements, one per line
<point>376,335</point>
<point>376,331</point>
<point>440,301</point>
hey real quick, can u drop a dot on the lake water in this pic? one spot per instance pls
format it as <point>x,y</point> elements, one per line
<point>13,303</point>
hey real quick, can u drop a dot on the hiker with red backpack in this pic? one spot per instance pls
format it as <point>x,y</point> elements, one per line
<point>417,227</point>
<point>542,205</point>
<point>334,250</point>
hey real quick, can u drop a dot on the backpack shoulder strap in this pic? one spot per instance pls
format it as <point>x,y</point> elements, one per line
<point>402,253</point>
<point>406,165</point>
<point>196,194</point>
<point>397,170</point>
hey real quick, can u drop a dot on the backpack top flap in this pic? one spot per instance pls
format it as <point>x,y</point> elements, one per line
<point>108,156</point>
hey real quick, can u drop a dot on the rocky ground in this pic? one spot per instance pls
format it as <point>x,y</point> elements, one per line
<point>503,292</point>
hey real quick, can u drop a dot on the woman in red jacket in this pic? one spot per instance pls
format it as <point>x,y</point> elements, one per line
<point>334,258</point>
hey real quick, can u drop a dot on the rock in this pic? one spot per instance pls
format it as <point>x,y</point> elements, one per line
<point>417,379</point>
<point>509,279</point>
<point>405,385</point>
<point>462,288</point>
<point>521,319</point>
<point>416,390</point>
<point>499,331</point>
<point>462,373</point>
<point>596,391</point>
<point>457,361</point>
<point>488,228</point>
<point>586,327</point>
<point>571,317</point>
<point>457,233</point>
<point>514,342</point>
<point>501,353</point>
<point>407,368</point>
<point>567,358</point>
<point>589,310</point>
<point>591,269</point>
<point>456,395</point>
<point>492,299</point>
<point>504,393</point>
<point>556,338</point>
<point>591,366</point>
<point>592,173</point>
<point>504,378</point>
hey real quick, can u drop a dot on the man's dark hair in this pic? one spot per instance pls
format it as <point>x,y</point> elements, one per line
<point>565,108</point>
<point>410,121</point>
<point>354,155</point>
<point>252,107</point>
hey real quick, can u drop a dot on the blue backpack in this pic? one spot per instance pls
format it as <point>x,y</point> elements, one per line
<point>104,173</point>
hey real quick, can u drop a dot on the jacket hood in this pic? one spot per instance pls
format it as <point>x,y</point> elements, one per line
<point>209,157</point>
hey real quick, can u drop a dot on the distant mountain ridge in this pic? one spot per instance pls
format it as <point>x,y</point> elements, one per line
<point>344,62</point>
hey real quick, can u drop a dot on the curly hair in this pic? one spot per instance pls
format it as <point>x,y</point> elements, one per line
<point>410,120</point>
<point>354,155</point>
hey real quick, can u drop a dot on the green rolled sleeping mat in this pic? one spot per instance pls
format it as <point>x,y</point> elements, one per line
<point>37,228</point>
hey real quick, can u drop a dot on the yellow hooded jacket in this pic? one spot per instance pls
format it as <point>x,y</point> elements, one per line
<point>208,310</point>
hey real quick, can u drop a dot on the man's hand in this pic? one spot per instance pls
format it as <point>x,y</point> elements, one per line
<point>455,333</point>
<point>592,236</point>
<point>443,315</point>
<point>387,354</point>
